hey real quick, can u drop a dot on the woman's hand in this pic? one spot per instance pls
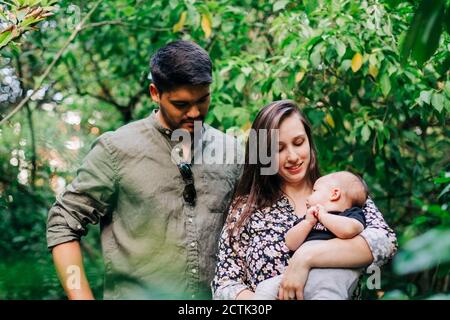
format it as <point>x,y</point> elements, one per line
<point>353,253</point>
<point>245,295</point>
<point>295,276</point>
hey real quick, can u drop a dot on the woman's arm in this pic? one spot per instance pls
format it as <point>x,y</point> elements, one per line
<point>334,253</point>
<point>376,244</point>
<point>378,235</point>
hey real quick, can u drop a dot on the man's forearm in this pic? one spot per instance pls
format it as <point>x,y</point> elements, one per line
<point>69,266</point>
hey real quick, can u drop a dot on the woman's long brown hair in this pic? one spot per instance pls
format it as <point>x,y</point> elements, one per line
<point>259,191</point>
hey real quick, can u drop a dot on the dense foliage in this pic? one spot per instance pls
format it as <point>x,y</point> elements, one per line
<point>372,112</point>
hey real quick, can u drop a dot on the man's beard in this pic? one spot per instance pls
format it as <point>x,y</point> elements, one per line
<point>174,125</point>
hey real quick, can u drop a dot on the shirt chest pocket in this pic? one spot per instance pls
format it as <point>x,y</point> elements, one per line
<point>216,190</point>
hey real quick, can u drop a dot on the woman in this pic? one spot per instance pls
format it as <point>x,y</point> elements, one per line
<point>265,207</point>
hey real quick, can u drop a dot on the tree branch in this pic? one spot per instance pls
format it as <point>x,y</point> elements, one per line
<point>41,79</point>
<point>104,23</point>
<point>33,146</point>
<point>30,123</point>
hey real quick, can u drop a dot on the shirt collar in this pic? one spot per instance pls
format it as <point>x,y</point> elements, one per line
<point>154,121</point>
<point>166,132</point>
<point>156,124</point>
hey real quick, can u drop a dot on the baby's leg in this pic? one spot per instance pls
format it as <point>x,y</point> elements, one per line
<point>331,284</point>
<point>268,289</point>
<point>322,284</point>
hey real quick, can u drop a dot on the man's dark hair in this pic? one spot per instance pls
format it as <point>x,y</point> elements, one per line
<point>180,63</point>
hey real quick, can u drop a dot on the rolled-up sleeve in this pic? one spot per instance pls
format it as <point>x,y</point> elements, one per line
<point>378,235</point>
<point>88,198</point>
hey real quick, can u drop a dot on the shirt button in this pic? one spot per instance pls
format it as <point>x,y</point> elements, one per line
<point>193,245</point>
<point>79,227</point>
<point>190,220</point>
<point>167,132</point>
<point>194,270</point>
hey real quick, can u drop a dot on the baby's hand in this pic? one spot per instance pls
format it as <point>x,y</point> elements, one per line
<point>310,215</point>
<point>319,211</point>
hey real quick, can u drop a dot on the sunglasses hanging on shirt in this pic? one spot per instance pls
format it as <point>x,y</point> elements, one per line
<point>189,193</point>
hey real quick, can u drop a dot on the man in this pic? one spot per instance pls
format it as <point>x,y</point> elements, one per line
<point>160,216</point>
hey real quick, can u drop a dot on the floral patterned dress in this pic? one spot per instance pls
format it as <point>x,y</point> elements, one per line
<point>259,252</point>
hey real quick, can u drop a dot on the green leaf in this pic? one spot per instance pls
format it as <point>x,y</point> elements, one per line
<point>423,36</point>
<point>173,4</point>
<point>385,84</point>
<point>386,133</point>
<point>277,87</point>
<point>437,100</point>
<point>365,133</point>
<point>380,136</point>
<point>444,179</point>
<point>424,97</point>
<point>393,3</point>
<point>28,21</point>
<point>346,64</point>
<point>424,252</point>
<point>316,116</point>
<point>5,38</point>
<point>446,190</point>
<point>267,85</point>
<point>311,5</point>
<point>129,11</point>
<point>439,296</point>
<point>447,19</point>
<point>313,41</point>
<point>246,70</point>
<point>220,111</point>
<point>340,48</point>
<point>447,89</point>
<point>279,5</point>
<point>316,57</point>
<point>240,82</point>
<point>395,295</point>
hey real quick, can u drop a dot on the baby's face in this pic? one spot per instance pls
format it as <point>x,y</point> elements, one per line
<point>321,192</point>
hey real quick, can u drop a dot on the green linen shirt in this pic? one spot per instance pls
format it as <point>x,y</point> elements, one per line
<point>155,246</point>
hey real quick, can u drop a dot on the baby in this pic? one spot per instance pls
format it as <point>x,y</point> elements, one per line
<point>334,209</point>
